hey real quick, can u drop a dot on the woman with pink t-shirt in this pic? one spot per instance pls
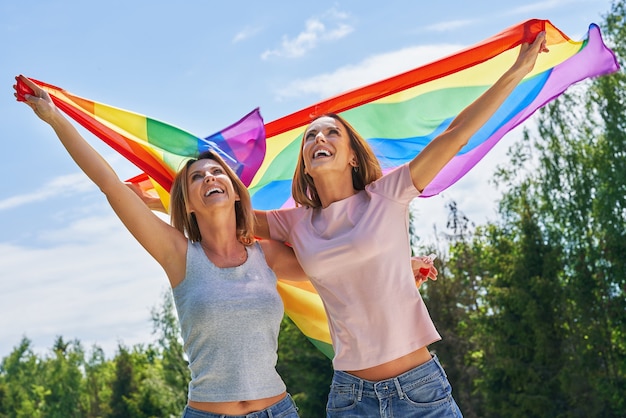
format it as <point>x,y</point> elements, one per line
<point>350,234</point>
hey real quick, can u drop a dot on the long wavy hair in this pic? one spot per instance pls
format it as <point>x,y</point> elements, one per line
<point>303,188</point>
<point>186,222</point>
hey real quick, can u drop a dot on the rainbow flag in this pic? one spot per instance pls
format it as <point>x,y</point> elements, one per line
<point>158,148</point>
<point>398,116</point>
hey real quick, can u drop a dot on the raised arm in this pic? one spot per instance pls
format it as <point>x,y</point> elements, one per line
<point>427,164</point>
<point>163,242</point>
<point>282,259</point>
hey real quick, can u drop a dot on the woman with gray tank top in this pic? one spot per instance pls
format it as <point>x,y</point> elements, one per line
<point>223,280</point>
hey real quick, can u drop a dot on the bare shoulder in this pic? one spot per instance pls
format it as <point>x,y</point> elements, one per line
<point>270,247</point>
<point>281,258</point>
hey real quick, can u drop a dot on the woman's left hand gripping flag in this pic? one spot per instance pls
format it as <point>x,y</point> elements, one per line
<point>157,148</point>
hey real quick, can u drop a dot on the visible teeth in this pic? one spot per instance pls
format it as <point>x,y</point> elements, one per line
<point>213,190</point>
<point>321,152</point>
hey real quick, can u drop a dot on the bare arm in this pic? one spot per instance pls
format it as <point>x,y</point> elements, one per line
<point>282,260</point>
<point>261,227</point>
<point>425,166</point>
<point>163,242</point>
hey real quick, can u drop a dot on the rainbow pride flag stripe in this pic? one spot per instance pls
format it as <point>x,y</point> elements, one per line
<point>158,148</point>
<point>398,116</point>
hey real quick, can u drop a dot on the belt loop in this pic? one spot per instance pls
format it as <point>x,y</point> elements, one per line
<point>270,413</point>
<point>359,395</point>
<point>398,387</point>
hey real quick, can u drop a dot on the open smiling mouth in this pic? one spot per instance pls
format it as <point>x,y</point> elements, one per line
<point>321,153</point>
<point>213,191</point>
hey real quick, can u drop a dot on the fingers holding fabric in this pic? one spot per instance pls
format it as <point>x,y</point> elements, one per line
<point>34,96</point>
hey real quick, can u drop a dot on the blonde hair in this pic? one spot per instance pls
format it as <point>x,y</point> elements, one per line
<point>303,188</point>
<point>186,222</point>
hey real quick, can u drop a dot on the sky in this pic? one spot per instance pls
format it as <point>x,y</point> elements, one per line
<point>68,267</point>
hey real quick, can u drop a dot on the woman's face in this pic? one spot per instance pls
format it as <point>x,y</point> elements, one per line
<point>209,185</point>
<point>326,147</point>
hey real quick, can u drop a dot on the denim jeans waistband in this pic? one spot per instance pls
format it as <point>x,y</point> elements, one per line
<point>392,386</point>
<point>277,409</point>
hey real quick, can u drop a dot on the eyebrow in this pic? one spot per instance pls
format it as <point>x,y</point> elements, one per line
<point>191,173</point>
<point>334,126</point>
<point>211,168</point>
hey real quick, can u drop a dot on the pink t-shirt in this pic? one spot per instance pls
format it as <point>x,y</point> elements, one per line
<point>357,255</point>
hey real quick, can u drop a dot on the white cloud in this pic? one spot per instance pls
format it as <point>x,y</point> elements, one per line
<point>246,33</point>
<point>60,186</point>
<point>475,194</point>
<point>372,69</point>
<point>94,283</point>
<point>327,28</point>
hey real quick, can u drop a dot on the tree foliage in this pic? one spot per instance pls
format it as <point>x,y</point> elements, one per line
<point>306,371</point>
<point>531,307</point>
<point>143,381</point>
<point>545,332</point>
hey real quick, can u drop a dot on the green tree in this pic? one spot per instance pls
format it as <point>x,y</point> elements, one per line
<point>23,386</point>
<point>306,371</point>
<point>451,301</point>
<point>139,387</point>
<point>124,384</point>
<point>583,196</point>
<point>99,373</point>
<point>553,324</point>
<point>175,365</point>
<point>64,381</point>
<point>520,316</point>
<point>154,397</point>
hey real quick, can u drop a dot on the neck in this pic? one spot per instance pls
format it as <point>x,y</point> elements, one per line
<point>232,254</point>
<point>232,249</point>
<point>332,189</point>
<point>231,258</point>
<point>219,234</point>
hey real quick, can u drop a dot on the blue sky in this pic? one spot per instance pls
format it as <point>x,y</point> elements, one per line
<point>68,266</point>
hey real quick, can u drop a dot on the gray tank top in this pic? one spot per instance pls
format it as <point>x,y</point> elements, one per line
<point>230,318</point>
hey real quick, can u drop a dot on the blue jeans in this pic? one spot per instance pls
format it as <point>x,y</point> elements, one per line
<point>421,392</point>
<point>284,408</point>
